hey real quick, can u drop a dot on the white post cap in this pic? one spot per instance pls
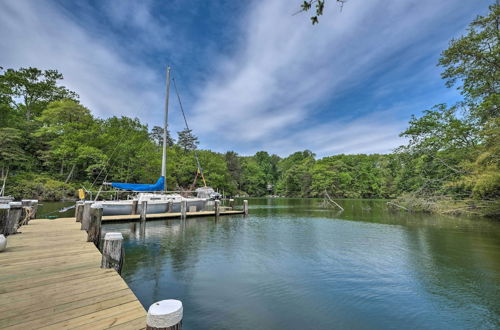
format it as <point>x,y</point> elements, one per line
<point>113,236</point>
<point>165,313</point>
<point>96,206</point>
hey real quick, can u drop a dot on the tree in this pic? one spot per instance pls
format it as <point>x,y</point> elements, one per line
<point>33,88</point>
<point>156,136</point>
<point>234,167</point>
<point>186,140</point>
<point>473,62</point>
<point>11,153</point>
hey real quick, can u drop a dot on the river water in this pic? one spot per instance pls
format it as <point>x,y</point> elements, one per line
<point>294,265</point>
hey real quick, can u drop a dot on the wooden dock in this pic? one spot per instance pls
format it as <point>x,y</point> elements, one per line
<point>50,278</point>
<point>158,216</point>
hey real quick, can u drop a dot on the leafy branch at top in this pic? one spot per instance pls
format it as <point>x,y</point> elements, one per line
<point>319,7</point>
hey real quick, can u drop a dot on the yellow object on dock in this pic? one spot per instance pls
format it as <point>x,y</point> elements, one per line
<point>50,277</point>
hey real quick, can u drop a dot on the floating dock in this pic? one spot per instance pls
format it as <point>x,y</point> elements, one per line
<point>159,216</point>
<point>50,278</point>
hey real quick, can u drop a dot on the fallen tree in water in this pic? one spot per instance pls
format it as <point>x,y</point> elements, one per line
<point>446,205</point>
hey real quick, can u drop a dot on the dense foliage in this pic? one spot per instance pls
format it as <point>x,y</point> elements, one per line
<point>50,144</point>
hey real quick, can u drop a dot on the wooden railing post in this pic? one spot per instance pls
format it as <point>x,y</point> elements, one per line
<point>231,203</point>
<point>165,315</point>
<point>79,211</point>
<point>86,215</point>
<point>112,251</point>
<point>94,231</point>
<point>217,208</point>
<point>245,207</point>
<point>144,210</point>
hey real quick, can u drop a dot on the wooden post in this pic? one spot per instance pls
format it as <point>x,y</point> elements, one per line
<point>134,206</point>
<point>94,231</point>
<point>170,206</point>
<point>217,208</point>
<point>144,210</point>
<point>4,218</point>
<point>79,211</point>
<point>231,203</point>
<point>112,251</point>
<point>86,215</point>
<point>183,208</point>
<point>245,207</point>
<point>165,315</point>
<point>16,210</point>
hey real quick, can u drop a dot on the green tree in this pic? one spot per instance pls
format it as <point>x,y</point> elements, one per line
<point>29,90</point>
<point>156,136</point>
<point>187,140</point>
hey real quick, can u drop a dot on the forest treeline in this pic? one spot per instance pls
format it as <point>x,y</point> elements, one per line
<point>51,144</point>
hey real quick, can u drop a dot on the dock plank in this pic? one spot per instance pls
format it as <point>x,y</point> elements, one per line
<point>50,276</point>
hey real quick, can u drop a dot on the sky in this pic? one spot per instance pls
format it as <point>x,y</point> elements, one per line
<point>251,75</point>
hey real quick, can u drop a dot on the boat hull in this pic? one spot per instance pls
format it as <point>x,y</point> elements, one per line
<point>125,207</point>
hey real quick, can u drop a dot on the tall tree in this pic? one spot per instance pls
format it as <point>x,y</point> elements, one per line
<point>156,136</point>
<point>187,140</point>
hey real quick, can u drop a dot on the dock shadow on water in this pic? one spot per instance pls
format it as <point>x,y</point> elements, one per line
<point>293,265</point>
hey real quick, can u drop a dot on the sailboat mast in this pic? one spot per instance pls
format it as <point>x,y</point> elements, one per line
<point>165,124</point>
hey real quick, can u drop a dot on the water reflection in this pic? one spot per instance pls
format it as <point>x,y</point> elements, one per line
<point>293,265</point>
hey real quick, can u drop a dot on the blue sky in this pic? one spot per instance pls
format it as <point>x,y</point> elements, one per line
<point>252,76</point>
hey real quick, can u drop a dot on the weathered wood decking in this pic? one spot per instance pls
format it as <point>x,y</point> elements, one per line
<point>137,217</point>
<point>50,277</point>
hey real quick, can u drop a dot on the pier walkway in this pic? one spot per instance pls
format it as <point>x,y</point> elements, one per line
<point>50,278</point>
<point>159,216</point>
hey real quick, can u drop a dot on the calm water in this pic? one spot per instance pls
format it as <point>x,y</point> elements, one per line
<point>291,265</point>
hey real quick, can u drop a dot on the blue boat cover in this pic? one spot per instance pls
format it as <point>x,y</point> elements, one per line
<point>158,186</point>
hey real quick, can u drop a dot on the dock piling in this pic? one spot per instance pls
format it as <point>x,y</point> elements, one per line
<point>79,211</point>
<point>4,218</point>
<point>30,207</point>
<point>134,206</point>
<point>231,203</point>
<point>165,315</point>
<point>86,215</point>
<point>15,212</point>
<point>217,208</point>
<point>94,231</point>
<point>112,251</point>
<point>144,210</point>
<point>183,209</point>
<point>170,206</point>
<point>245,207</point>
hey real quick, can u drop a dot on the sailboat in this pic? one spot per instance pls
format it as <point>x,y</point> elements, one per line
<point>158,200</point>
